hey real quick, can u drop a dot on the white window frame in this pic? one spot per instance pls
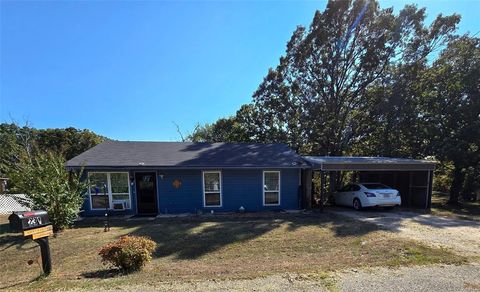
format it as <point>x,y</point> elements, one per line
<point>279,187</point>
<point>211,192</point>
<point>109,191</point>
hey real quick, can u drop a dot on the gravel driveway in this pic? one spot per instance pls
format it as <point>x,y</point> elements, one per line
<point>432,278</point>
<point>461,236</point>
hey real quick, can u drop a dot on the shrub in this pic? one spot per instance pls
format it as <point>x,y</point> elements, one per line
<point>49,186</point>
<point>129,253</point>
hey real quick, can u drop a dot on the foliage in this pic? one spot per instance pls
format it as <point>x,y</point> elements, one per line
<point>129,253</point>
<point>451,109</point>
<point>316,98</point>
<point>68,142</point>
<point>49,186</point>
<point>361,80</point>
<point>223,130</point>
<point>16,141</point>
<point>442,179</point>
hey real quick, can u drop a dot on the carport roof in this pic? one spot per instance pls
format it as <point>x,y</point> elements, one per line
<point>354,163</point>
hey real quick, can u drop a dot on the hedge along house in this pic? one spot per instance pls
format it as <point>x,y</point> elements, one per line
<point>148,178</point>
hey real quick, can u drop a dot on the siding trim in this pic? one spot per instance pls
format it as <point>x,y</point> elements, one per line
<point>279,187</point>
<point>221,189</point>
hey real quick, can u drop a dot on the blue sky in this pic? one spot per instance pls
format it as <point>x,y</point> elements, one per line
<point>129,69</point>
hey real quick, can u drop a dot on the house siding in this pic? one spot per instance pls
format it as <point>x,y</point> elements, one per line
<point>240,187</point>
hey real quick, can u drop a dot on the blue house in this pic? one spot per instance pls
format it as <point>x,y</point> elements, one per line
<point>149,178</point>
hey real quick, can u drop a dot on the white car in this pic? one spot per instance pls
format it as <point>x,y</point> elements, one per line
<point>361,195</point>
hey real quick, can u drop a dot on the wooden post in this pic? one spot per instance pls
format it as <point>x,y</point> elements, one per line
<point>45,252</point>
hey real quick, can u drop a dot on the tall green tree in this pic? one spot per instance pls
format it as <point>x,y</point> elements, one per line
<point>451,103</point>
<point>317,93</point>
<point>392,123</point>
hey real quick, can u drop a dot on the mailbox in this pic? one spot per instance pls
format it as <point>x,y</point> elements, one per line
<point>20,221</point>
<point>37,225</point>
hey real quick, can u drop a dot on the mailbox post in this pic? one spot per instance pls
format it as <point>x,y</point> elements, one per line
<point>45,252</point>
<point>37,225</point>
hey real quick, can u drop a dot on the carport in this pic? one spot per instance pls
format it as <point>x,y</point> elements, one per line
<point>412,177</point>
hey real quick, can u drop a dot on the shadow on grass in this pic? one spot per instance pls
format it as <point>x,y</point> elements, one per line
<point>104,274</point>
<point>39,277</point>
<point>193,237</point>
<point>13,240</point>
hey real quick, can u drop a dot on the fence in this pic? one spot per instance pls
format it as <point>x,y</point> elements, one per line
<point>8,204</point>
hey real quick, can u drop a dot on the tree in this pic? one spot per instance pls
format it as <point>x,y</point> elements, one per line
<point>49,186</point>
<point>69,142</point>
<point>231,129</point>
<point>13,141</point>
<point>451,103</point>
<point>17,140</point>
<point>315,96</point>
<point>391,121</point>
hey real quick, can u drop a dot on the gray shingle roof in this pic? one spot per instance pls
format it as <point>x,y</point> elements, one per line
<point>185,155</point>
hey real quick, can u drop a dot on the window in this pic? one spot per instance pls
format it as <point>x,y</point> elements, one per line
<point>108,189</point>
<point>375,186</point>
<point>212,189</point>
<point>355,188</point>
<point>271,188</point>
<point>119,188</point>
<point>97,181</point>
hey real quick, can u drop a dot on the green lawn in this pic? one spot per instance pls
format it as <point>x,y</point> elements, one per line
<point>465,210</point>
<point>218,247</point>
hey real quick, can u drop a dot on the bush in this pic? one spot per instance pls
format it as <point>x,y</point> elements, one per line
<point>130,253</point>
<point>442,179</point>
<point>49,186</point>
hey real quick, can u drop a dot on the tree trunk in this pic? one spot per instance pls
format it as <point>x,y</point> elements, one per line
<point>456,186</point>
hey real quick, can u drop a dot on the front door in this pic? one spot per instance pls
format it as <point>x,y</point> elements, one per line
<point>146,186</point>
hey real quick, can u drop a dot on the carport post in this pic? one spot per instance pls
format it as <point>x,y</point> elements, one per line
<point>307,188</point>
<point>322,189</point>
<point>429,190</point>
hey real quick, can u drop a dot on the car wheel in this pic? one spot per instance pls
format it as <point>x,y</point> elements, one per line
<point>357,205</point>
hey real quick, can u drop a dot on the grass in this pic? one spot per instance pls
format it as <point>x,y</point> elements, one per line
<point>465,210</point>
<point>217,247</point>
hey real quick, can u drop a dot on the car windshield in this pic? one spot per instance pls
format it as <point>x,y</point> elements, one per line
<point>376,186</point>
